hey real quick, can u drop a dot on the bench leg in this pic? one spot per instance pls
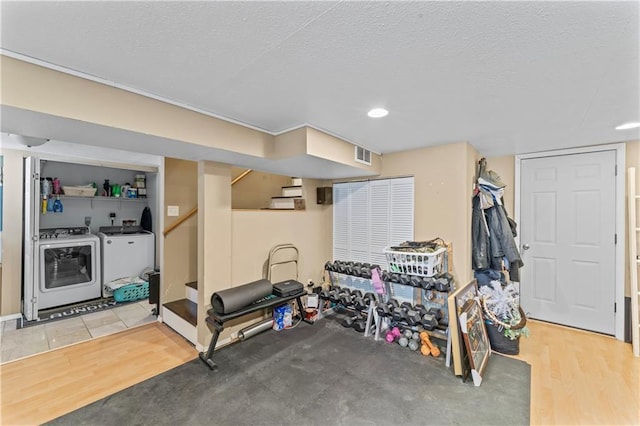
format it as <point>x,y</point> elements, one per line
<point>207,357</point>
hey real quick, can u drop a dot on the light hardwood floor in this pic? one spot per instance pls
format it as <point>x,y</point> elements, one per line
<point>580,378</point>
<point>577,378</point>
<point>45,386</point>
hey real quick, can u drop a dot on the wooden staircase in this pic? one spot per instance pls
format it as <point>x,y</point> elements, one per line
<point>182,314</point>
<point>291,197</point>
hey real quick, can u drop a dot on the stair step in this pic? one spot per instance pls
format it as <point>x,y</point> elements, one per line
<point>292,191</point>
<point>192,291</point>
<point>287,203</point>
<point>185,309</point>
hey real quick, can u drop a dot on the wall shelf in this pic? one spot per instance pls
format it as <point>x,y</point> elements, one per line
<point>101,198</point>
<point>95,198</point>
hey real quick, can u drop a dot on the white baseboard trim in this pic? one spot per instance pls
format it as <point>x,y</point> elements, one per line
<point>10,317</point>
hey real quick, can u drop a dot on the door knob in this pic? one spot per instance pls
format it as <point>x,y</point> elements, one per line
<point>526,247</point>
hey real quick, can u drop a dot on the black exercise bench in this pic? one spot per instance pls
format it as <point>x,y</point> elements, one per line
<point>217,320</point>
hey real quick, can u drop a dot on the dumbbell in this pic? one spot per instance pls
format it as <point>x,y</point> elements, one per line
<point>363,303</point>
<point>325,294</point>
<point>356,267</point>
<point>414,344</point>
<point>346,297</point>
<point>427,283</point>
<point>385,309</point>
<point>416,281</point>
<point>334,295</point>
<point>329,266</point>
<point>436,313</point>
<point>348,269</point>
<point>421,309</point>
<point>405,279</point>
<point>392,277</point>
<point>385,276</point>
<point>392,335</point>
<point>398,314</point>
<point>429,322</point>
<point>365,270</point>
<point>368,298</point>
<point>441,284</point>
<point>361,324</point>
<point>356,298</point>
<point>411,316</point>
<point>348,320</point>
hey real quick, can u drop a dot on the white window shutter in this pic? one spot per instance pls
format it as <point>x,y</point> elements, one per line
<point>359,222</point>
<point>401,206</point>
<point>341,221</point>
<point>369,216</point>
<point>380,216</point>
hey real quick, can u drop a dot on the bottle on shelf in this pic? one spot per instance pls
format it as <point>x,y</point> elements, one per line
<point>56,186</point>
<point>46,187</point>
<point>57,205</point>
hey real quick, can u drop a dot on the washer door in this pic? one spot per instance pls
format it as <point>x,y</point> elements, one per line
<point>69,273</point>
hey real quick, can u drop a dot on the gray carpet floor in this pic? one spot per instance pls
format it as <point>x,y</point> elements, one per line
<point>321,374</point>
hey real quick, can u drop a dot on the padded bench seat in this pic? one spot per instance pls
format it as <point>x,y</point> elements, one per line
<point>217,320</point>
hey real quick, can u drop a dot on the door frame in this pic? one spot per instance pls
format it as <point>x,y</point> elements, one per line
<point>619,148</point>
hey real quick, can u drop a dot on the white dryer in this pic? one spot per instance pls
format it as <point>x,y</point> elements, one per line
<point>126,252</point>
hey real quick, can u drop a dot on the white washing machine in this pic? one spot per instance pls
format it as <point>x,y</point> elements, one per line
<point>68,267</point>
<point>126,252</point>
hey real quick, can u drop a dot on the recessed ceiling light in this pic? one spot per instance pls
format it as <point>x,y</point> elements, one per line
<point>378,112</point>
<point>627,126</point>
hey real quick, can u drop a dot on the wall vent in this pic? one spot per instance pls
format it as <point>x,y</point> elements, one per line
<point>363,155</point>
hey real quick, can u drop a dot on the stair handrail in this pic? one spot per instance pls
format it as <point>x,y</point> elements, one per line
<point>180,221</point>
<point>241,176</point>
<point>194,210</point>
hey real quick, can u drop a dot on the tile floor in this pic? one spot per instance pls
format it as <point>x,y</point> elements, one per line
<point>18,343</point>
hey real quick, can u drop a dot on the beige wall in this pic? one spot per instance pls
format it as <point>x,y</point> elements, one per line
<point>12,233</point>
<point>180,245</point>
<point>290,144</point>
<point>325,146</point>
<point>214,237</point>
<point>35,88</point>
<point>505,167</point>
<point>443,182</point>
<point>254,191</point>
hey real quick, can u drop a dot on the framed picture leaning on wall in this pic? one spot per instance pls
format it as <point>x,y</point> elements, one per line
<point>475,338</point>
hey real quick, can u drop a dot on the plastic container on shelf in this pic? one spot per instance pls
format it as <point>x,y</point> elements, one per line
<point>416,263</point>
<point>79,191</point>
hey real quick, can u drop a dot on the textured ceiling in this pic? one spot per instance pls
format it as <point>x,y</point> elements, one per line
<point>509,77</point>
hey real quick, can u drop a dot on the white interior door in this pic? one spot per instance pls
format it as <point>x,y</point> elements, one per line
<point>567,215</point>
